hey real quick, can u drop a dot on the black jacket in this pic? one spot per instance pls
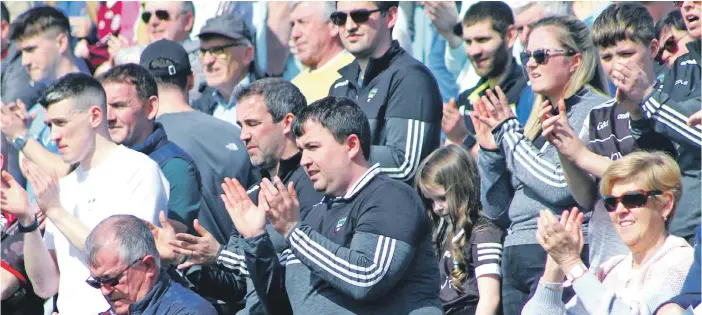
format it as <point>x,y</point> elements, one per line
<point>402,101</point>
<point>682,82</point>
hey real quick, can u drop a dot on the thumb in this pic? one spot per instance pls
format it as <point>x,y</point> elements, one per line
<point>7,177</point>
<point>162,218</point>
<point>21,105</point>
<point>200,229</point>
<point>562,109</point>
<point>452,103</point>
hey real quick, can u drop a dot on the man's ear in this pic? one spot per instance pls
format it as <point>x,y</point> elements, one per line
<point>287,123</point>
<point>189,21</point>
<point>391,17</point>
<point>152,107</point>
<point>510,37</point>
<point>654,47</point>
<point>191,82</point>
<point>63,42</point>
<point>150,265</point>
<point>353,144</point>
<point>97,115</point>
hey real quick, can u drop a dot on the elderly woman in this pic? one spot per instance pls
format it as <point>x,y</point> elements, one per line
<point>640,193</point>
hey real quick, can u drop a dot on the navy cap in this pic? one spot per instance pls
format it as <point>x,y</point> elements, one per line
<point>227,25</point>
<point>166,49</point>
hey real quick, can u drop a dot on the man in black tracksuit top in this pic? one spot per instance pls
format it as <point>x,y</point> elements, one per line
<point>398,93</point>
<point>365,249</point>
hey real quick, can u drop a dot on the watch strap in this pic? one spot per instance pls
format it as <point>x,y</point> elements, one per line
<point>30,228</point>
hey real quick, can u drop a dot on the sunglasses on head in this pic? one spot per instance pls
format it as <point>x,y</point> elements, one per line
<point>162,15</point>
<point>358,16</point>
<point>632,199</point>
<point>111,282</point>
<point>540,55</point>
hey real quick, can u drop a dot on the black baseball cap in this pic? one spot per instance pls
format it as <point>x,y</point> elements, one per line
<point>166,49</point>
<point>228,25</point>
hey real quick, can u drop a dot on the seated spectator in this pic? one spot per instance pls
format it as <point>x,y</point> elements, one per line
<point>132,104</point>
<point>520,172</point>
<point>126,267</point>
<point>227,58</point>
<point>317,46</point>
<point>673,38</point>
<point>641,193</point>
<point>682,82</point>
<point>470,246</point>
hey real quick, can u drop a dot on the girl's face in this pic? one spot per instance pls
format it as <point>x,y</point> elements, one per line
<point>437,195</point>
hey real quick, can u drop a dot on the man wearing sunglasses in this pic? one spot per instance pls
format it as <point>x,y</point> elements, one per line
<point>227,57</point>
<point>673,38</point>
<point>489,34</point>
<point>397,93</point>
<point>125,266</point>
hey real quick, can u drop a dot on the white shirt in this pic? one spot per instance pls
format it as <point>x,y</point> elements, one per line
<point>126,182</point>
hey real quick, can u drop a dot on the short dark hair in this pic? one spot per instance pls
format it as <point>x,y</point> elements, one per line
<point>37,21</point>
<point>498,12</point>
<point>5,14</point>
<point>178,80</point>
<point>622,21</point>
<point>280,96</point>
<point>85,91</point>
<point>341,116</point>
<point>386,5</point>
<point>674,19</point>
<point>135,75</point>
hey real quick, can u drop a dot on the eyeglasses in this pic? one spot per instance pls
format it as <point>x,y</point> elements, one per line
<point>111,282</point>
<point>162,15</point>
<point>358,16</point>
<point>218,51</point>
<point>540,55</point>
<point>632,199</point>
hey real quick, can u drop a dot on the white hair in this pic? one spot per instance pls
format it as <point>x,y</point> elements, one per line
<point>328,7</point>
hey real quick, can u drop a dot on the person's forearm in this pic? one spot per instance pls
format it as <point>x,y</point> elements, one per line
<point>592,163</point>
<point>451,39</point>
<point>8,284</point>
<point>487,305</point>
<point>73,229</point>
<point>41,269</point>
<point>277,35</point>
<point>48,161</point>
<point>580,183</point>
<point>552,272</point>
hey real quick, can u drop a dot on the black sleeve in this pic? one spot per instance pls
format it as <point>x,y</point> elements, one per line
<point>669,117</point>
<point>267,274</point>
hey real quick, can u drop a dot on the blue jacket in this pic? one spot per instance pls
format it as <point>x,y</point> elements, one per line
<point>170,298</point>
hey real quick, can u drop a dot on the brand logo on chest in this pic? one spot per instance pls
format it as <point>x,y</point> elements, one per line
<point>339,224</point>
<point>371,94</point>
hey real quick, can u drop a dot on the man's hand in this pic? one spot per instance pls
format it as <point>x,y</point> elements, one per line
<point>14,200</point>
<point>695,119</point>
<point>632,86</point>
<point>163,236</point>
<point>452,123</point>
<point>14,120</point>
<point>199,250</point>
<point>282,206</point>
<point>558,132</point>
<point>45,185</point>
<point>248,219</point>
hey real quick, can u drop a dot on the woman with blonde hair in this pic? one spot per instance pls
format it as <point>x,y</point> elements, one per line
<point>469,245</point>
<point>520,172</point>
<point>640,192</point>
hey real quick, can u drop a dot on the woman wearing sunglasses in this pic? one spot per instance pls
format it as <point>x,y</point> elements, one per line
<point>520,172</point>
<point>468,244</point>
<point>673,38</point>
<point>640,193</point>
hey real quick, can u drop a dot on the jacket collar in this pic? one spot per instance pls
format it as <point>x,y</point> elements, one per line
<point>375,65</point>
<point>287,167</point>
<point>357,187</point>
<point>153,296</point>
<point>157,139</point>
<point>694,48</point>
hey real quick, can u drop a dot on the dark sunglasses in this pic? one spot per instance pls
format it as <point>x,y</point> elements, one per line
<point>632,199</point>
<point>160,14</point>
<point>358,16</point>
<point>218,50</point>
<point>111,282</point>
<point>540,55</point>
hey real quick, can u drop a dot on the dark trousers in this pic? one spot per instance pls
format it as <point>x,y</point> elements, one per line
<point>522,266</point>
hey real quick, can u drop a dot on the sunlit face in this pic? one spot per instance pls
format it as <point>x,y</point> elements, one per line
<point>132,285</point>
<point>625,52</point>
<point>640,227</point>
<point>437,195</point>
<point>550,78</point>
<point>72,131</point>
<point>691,12</point>
<point>40,55</point>
<point>311,32</point>
<point>673,44</point>
<point>128,117</point>
<point>264,139</point>
<point>174,28</point>
<point>362,39</point>
<point>221,69</point>
<point>525,19</point>
<point>325,160</point>
<point>486,49</point>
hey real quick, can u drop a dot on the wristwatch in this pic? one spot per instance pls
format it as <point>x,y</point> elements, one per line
<point>576,272</point>
<point>26,229</point>
<point>20,141</point>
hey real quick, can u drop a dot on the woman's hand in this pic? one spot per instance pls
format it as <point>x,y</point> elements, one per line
<point>563,242</point>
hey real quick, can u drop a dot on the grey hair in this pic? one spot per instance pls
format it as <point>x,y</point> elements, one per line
<point>328,7</point>
<point>550,8</point>
<point>132,235</point>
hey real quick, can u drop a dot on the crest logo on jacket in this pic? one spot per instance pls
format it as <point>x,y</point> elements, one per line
<point>371,94</point>
<point>339,224</point>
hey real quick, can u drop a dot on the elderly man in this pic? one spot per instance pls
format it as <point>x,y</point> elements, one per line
<point>125,265</point>
<point>319,49</point>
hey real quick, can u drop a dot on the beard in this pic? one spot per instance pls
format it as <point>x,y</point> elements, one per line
<point>501,59</point>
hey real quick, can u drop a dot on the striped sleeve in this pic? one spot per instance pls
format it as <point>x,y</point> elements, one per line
<point>367,270</point>
<point>231,256</point>
<point>487,251</point>
<point>670,118</point>
<point>405,141</point>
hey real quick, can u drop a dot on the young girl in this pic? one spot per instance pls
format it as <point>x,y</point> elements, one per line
<point>468,244</point>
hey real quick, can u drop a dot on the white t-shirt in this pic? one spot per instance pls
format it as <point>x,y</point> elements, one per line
<point>126,182</point>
